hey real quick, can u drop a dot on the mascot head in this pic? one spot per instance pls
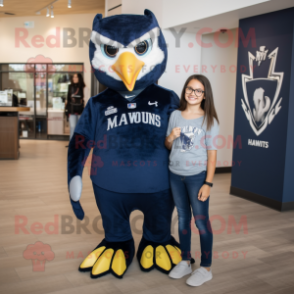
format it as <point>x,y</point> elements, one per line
<point>127,51</point>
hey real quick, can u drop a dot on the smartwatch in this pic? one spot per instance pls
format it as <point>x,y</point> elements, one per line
<point>209,184</point>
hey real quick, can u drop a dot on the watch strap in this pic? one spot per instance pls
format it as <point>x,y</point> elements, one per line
<point>208,183</point>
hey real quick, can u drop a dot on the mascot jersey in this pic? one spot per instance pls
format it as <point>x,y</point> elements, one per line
<point>129,168</point>
<point>129,155</point>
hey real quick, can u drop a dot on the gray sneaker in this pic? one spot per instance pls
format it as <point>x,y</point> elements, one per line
<point>199,276</point>
<point>180,270</point>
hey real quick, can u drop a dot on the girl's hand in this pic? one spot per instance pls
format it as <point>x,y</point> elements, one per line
<point>175,133</point>
<point>204,193</point>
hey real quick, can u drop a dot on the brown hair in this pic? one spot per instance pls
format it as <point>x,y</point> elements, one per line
<point>81,83</point>
<point>207,104</point>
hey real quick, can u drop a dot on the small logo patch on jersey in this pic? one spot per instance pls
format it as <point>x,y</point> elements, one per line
<point>153,103</point>
<point>132,105</point>
<point>110,110</point>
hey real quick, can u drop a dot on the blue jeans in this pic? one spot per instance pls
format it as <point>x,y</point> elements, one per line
<point>73,120</point>
<point>185,194</point>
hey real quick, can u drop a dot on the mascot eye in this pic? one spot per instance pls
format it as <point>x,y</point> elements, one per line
<point>144,47</point>
<point>109,51</point>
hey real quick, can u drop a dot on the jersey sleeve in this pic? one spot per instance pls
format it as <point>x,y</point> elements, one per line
<point>79,147</point>
<point>174,102</point>
<point>211,136</point>
<point>170,125</point>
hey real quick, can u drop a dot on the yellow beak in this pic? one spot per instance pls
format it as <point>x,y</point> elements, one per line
<point>128,66</point>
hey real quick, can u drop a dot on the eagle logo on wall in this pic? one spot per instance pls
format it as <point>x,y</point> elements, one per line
<point>261,101</point>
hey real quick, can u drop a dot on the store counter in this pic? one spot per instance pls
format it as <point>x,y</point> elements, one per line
<point>55,121</point>
<point>9,142</point>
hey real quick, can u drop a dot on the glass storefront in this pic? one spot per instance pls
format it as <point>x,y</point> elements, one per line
<point>43,88</point>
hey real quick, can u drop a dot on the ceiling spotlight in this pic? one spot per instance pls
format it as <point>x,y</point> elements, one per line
<point>1,3</point>
<point>69,4</point>
<point>52,13</point>
<point>48,12</point>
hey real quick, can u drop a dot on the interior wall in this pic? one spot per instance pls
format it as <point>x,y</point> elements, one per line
<point>172,13</point>
<point>219,66</point>
<point>175,13</point>
<point>44,43</point>
<point>113,7</point>
<point>183,60</point>
<point>138,7</point>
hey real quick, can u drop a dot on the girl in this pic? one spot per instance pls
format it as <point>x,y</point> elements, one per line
<point>75,101</point>
<point>191,136</point>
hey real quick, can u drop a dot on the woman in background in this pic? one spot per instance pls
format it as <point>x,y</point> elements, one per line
<point>75,101</point>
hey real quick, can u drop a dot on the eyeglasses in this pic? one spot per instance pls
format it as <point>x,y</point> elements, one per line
<point>198,92</point>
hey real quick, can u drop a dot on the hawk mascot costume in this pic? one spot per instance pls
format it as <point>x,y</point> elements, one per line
<point>126,127</point>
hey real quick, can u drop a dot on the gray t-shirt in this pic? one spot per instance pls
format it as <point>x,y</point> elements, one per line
<point>188,155</point>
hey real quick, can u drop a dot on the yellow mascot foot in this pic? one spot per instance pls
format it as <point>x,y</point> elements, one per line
<point>114,257</point>
<point>161,256</point>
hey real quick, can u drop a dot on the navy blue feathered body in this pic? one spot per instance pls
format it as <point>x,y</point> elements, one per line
<point>129,155</point>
